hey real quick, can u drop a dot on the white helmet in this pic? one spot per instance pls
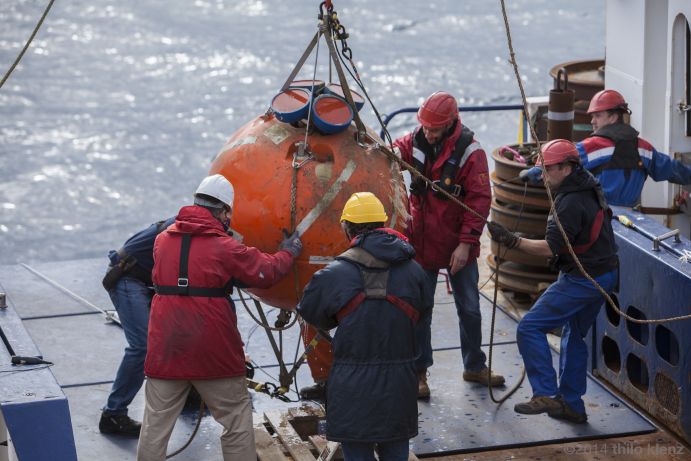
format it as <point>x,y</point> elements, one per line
<point>218,187</point>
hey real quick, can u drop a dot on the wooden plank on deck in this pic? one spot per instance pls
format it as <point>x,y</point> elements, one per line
<point>290,439</point>
<point>268,448</point>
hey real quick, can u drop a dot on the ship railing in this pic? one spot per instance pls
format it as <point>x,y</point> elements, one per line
<point>523,121</point>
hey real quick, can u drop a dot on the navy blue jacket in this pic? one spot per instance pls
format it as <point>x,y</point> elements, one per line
<point>372,385</point>
<point>141,247</point>
<point>577,204</point>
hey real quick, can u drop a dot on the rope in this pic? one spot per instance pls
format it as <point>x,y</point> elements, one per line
<point>582,270</point>
<point>262,324</point>
<point>516,386</point>
<point>194,432</point>
<point>109,316</point>
<point>26,46</point>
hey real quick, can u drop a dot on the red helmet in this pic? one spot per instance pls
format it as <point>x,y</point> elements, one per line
<point>607,100</point>
<point>438,110</point>
<point>558,151</point>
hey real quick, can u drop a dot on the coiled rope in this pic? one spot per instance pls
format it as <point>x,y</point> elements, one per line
<point>581,269</point>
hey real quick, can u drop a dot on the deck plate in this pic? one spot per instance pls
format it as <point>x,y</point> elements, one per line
<point>459,418</point>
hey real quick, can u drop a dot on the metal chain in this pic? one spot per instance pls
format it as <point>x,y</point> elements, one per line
<point>582,270</point>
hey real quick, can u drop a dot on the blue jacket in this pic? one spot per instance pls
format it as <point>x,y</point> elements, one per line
<point>141,247</point>
<point>372,385</point>
<point>623,186</point>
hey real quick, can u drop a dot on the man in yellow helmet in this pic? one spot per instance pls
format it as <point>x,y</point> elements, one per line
<point>374,293</point>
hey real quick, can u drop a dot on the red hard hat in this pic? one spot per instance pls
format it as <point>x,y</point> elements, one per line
<point>607,100</point>
<point>558,151</point>
<point>438,110</point>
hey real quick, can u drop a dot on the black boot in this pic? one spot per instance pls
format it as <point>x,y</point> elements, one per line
<point>119,425</point>
<point>317,391</point>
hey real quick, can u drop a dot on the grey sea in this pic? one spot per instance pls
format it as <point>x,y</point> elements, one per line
<point>117,109</point>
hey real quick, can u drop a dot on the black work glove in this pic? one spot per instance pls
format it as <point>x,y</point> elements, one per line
<point>291,243</point>
<point>502,235</point>
<point>417,186</point>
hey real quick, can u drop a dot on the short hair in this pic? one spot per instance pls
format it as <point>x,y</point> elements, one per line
<point>354,229</point>
<point>208,202</point>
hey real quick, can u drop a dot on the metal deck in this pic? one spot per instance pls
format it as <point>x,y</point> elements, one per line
<point>460,417</point>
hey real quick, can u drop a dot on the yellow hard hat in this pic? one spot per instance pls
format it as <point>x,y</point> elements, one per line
<point>363,207</point>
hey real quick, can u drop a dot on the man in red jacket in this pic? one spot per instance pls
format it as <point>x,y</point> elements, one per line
<point>445,235</point>
<point>193,336</point>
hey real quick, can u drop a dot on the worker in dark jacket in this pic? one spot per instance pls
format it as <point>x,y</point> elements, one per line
<point>193,333</point>
<point>374,292</point>
<point>572,302</point>
<point>129,285</point>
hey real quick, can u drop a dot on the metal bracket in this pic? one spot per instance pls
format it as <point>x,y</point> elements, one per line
<point>674,233</point>
<point>302,155</point>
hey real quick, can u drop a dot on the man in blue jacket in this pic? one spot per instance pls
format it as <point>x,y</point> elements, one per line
<point>615,154</point>
<point>128,282</point>
<point>374,292</point>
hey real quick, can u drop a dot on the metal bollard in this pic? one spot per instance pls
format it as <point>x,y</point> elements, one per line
<point>3,301</point>
<point>561,109</point>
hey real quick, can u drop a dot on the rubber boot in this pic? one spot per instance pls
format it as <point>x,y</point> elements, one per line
<point>422,387</point>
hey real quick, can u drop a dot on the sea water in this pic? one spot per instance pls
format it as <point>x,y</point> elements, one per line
<point>115,112</point>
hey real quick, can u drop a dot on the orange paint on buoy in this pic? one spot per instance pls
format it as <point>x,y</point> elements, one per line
<point>258,159</point>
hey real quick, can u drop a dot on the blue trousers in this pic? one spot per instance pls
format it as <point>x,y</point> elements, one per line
<point>132,300</point>
<point>388,451</point>
<point>466,297</point>
<point>571,302</point>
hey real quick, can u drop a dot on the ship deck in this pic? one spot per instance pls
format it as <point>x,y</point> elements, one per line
<point>55,302</point>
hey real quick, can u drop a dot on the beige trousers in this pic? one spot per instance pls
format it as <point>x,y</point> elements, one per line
<point>227,399</point>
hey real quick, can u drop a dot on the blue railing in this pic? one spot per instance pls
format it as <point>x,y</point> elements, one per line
<point>524,124</point>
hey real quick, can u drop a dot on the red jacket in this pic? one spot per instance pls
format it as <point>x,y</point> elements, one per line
<point>193,337</point>
<point>438,225</point>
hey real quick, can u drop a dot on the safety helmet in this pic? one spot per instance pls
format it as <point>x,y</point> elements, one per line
<point>607,100</point>
<point>558,151</point>
<point>363,207</point>
<point>218,187</point>
<point>437,110</point>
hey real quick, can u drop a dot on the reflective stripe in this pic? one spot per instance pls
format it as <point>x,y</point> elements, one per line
<point>319,260</point>
<point>469,150</point>
<point>327,198</point>
<point>560,116</point>
<point>418,155</point>
<point>600,153</point>
<point>646,153</point>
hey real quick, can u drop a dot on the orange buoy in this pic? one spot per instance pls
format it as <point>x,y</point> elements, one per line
<point>258,160</point>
